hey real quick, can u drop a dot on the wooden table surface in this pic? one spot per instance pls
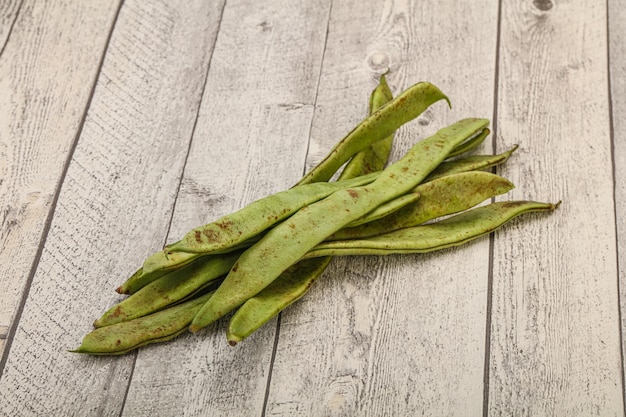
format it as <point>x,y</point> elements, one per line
<point>125,123</point>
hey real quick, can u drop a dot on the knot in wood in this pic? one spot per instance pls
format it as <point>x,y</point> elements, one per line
<point>378,61</point>
<point>543,5</point>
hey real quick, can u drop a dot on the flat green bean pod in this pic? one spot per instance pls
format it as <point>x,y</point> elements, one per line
<point>470,163</point>
<point>387,208</point>
<point>290,240</point>
<point>379,125</point>
<point>169,289</point>
<point>154,267</point>
<point>453,231</point>
<point>253,219</point>
<point>126,336</point>
<point>443,196</point>
<point>470,144</point>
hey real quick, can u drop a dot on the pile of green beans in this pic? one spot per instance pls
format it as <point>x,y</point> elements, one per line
<point>255,262</point>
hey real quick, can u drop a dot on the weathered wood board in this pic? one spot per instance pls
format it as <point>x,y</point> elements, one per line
<point>48,68</point>
<point>123,124</point>
<point>555,335</point>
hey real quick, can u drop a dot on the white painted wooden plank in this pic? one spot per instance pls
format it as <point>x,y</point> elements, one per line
<point>250,141</point>
<point>393,335</point>
<point>8,15</point>
<point>617,56</point>
<point>555,346</point>
<point>114,207</point>
<point>47,72</point>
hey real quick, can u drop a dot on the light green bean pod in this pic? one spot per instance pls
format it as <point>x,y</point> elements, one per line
<point>443,196</point>
<point>453,231</point>
<point>290,240</point>
<point>169,289</point>
<point>470,163</point>
<point>126,336</point>
<point>379,125</point>
<point>297,279</point>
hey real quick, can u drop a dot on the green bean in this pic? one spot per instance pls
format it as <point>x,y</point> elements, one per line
<point>289,287</point>
<point>253,219</point>
<point>297,279</point>
<point>443,196</point>
<point>121,338</point>
<point>470,163</point>
<point>453,231</point>
<point>282,246</point>
<point>233,231</point>
<point>386,209</point>
<point>375,157</point>
<point>169,289</point>
<point>470,144</point>
<point>439,197</point>
<point>154,267</point>
<point>413,102</point>
<point>379,125</point>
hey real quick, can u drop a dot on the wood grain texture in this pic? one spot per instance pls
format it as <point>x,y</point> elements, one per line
<point>250,141</point>
<point>47,72</point>
<point>555,346</point>
<point>617,56</point>
<point>8,14</point>
<point>114,208</point>
<point>393,335</point>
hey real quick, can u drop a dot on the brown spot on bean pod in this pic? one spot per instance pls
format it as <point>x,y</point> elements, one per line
<point>353,193</point>
<point>224,224</point>
<point>211,235</point>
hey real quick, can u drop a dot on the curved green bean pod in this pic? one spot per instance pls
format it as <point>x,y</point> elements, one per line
<point>290,240</point>
<point>443,196</point>
<point>289,287</point>
<point>126,336</point>
<point>375,157</point>
<point>379,125</point>
<point>470,163</point>
<point>169,289</point>
<point>453,231</point>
